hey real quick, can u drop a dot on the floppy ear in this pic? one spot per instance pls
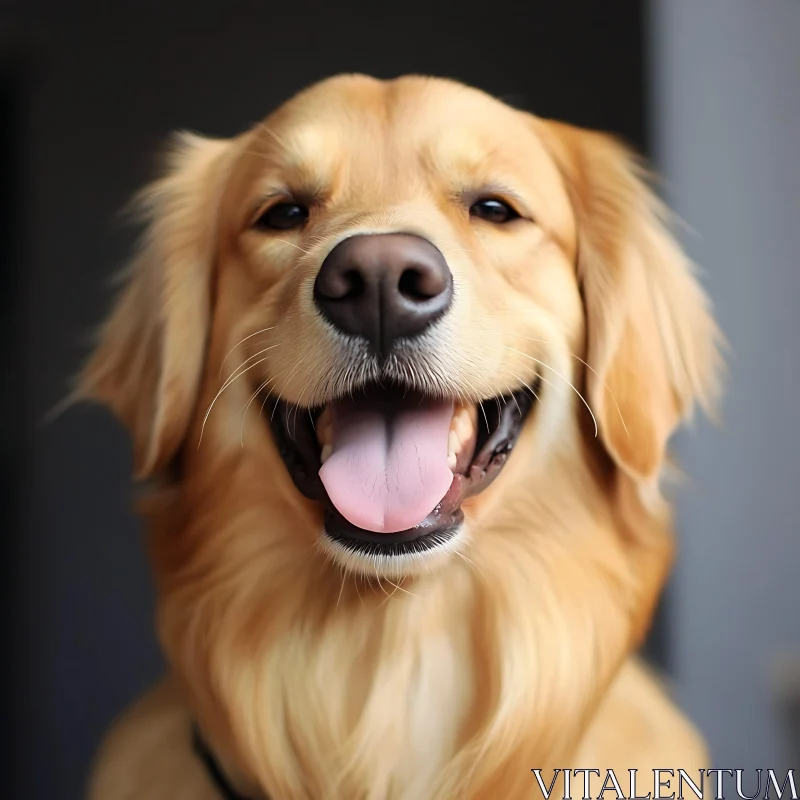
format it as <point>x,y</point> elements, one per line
<point>653,346</point>
<point>148,362</point>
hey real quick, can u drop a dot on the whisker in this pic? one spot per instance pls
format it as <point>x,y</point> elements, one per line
<point>244,413</point>
<point>573,355</point>
<point>263,403</point>
<point>469,561</point>
<point>255,355</point>
<point>399,588</point>
<point>341,588</point>
<point>292,244</point>
<point>536,396</point>
<point>388,596</point>
<point>358,591</point>
<point>298,366</point>
<point>294,371</point>
<point>237,374</point>
<point>485,418</point>
<point>263,330</point>
<point>272,415</point>
<point>556,372</point>
<point>596,374</point>
<point>380,586</point>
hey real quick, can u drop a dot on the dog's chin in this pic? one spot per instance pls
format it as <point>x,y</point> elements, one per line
<point>360,552</point>
<point>479,439</point>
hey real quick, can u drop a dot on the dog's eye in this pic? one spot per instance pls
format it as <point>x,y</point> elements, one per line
<point>493,210</point>
<point>282,217</point>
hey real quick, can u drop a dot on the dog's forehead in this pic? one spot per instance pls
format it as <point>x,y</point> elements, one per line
<point>392,101</point>
<point>357,115</point>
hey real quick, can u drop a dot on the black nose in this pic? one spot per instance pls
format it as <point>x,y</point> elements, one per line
<point>383,287</point>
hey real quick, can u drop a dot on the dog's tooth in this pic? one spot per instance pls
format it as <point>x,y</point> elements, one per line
<point>323,427</point>
<point>454,420</point>
<point>464,425</point>
<point>470,423</point>
<point>452,461</point>
<point>326,453</point>
<point>453,444</point>
<point>325,434</point>
<point>457,422</point>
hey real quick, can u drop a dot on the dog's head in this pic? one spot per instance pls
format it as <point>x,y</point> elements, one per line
<point>385,292</point>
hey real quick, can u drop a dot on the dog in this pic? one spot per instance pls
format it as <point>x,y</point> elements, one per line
<point>400,366</point>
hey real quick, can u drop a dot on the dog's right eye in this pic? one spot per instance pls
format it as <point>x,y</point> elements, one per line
<point>282,217</point>
<point>493,210</point>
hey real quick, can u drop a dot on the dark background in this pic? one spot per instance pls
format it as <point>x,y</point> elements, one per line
<point>88,93</point>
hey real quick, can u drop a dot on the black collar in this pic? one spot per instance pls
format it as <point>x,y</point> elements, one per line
<point>212,767</point>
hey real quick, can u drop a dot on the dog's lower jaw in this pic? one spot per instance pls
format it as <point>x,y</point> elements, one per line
<point>368,564</point>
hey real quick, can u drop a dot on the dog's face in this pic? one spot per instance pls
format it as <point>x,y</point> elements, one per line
<point>414,277</point>
<point>380,293</point>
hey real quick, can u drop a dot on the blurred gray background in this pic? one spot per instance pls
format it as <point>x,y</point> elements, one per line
<point>88,92</point>
<point>725,111</point>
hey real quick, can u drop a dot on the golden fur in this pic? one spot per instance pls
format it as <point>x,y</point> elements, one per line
<point>455,680</point>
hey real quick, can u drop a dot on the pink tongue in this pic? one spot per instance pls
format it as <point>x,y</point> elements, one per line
<point>388,469</point>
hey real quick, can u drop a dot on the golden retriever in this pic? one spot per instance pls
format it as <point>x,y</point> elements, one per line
<point>400,365</point>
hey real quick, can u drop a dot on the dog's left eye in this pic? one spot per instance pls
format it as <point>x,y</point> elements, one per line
<point>493,210</point>
<point>282,217</point>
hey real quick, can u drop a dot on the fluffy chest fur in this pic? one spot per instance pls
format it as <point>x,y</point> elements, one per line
<point>329,685</point>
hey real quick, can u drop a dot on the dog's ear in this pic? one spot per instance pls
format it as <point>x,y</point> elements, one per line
<point>653,348</point>
<point>147,364</point>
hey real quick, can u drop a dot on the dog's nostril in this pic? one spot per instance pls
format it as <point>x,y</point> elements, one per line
<point>420,284</point>
<point>342,285</point>
<point>352,285</point>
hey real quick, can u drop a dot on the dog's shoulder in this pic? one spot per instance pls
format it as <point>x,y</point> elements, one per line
<point>148,753</point>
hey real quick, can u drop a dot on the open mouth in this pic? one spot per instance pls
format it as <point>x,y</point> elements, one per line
<point>391,466</point>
